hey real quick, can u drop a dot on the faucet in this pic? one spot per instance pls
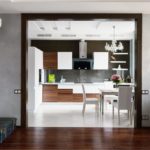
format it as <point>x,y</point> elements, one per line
<point>62,79</point>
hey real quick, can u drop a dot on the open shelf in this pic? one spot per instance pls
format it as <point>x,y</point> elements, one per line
<point>120,62</point>
<point>119,53</point>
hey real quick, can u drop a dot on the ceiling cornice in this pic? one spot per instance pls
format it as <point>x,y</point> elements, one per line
<point>75,6</point>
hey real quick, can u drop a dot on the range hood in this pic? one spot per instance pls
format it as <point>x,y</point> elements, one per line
<point>82,62</point>
<point>85,64</point>
<point>82,49</point>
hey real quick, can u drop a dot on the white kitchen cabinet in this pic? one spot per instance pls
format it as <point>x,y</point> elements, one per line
<point>64,60</point>
<point>35,62</point>
<point>101,60</point>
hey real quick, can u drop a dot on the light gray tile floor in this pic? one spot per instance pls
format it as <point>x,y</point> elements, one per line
<point>70,115</point>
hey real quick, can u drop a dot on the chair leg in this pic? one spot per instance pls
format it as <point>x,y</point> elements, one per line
<point>132,112</point>
<point>119,116</point>
<point>113,111</point>
<point>130,117</point>
<point>128,113</point>
<point>97,110</point>
<point>83,110</point>
<point>100,106</point>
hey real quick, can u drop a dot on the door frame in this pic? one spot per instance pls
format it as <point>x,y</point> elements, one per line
<point>138,54</point>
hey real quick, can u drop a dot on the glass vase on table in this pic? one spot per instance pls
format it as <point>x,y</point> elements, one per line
<point>116,83</point>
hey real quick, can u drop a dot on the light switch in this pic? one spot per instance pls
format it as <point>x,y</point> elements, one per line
<point>17,91</point>
<point>145,92</point>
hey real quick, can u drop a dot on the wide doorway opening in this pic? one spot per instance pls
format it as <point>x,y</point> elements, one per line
<point>82,72</point>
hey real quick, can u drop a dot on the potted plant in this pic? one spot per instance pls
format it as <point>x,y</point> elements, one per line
<point>116,78</point>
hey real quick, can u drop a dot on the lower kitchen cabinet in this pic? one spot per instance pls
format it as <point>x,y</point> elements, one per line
<point>64,95</point>
<point>51,93</point>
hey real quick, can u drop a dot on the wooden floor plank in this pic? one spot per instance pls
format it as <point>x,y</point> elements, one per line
<point>78,139</point>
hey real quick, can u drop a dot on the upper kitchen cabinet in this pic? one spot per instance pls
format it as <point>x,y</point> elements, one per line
<point>64,60</point>
<point>101,61</point>
<point>50,60</point>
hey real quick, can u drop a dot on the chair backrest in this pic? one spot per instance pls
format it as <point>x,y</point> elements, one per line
<point>124,97</point>
<point>84,94</point>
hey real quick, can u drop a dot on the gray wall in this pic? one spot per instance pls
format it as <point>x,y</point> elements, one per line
<point>10,60</point>
<point>146,68</point>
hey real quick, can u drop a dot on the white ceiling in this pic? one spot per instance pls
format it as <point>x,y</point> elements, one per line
<point>76,0</point>
<point>75,6</point>
<point>99,29</point>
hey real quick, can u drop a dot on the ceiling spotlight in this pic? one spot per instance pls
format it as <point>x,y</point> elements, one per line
<point>40,25</point>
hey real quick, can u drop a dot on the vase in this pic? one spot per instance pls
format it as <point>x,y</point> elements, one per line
<point>116,85</point>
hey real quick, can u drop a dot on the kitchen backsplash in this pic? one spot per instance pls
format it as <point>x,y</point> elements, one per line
<point>80,75</point>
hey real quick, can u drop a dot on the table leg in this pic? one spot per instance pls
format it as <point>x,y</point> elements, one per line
<point>102,105</point>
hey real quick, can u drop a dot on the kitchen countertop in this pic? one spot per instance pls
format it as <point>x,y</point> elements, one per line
<point>56,83</point>
<point>77,88</point>
<point>95,83</point>
<point>65,83</point>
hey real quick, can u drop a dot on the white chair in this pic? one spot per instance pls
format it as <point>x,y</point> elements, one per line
<point>124,102</point>
<point>109,98</point>
<point>93,100</point>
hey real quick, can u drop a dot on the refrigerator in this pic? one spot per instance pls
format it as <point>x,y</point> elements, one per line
<point>35,78</point>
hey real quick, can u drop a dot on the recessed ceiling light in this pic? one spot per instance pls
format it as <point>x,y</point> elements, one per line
<point>40,25</point>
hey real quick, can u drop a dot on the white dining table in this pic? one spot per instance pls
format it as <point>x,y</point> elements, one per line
<point>105,91</point>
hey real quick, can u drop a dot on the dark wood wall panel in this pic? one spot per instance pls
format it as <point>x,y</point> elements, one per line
<point>50,47</point>
<point>99,46</point>
<point>50,60</point>
<point>58,46</point>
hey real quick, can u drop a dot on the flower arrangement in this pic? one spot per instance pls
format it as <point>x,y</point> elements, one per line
<point>116,78</point>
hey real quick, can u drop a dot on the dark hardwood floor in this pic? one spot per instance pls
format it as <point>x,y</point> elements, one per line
<point>78,139</point>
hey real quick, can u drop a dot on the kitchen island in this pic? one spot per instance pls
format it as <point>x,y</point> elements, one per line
<point>68,91</point>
